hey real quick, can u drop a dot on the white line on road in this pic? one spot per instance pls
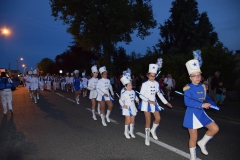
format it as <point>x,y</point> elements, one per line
<point>164,145</point>
<point>70,100</point>
<point>113,121</point>
<point>60,94</point>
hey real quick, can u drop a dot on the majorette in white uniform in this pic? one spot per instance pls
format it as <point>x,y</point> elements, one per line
<point>28,82</point>
<point>92,83</point>
<point>103,87</point>
<point>84,84</point>
<point>48,81</point>
<point>34,85</point>
<point>62,81</point>
<point>71,82</point>
<point>129,109</point>
<point>148,92</point>
<point>41,82</point>
<point>67,81</point>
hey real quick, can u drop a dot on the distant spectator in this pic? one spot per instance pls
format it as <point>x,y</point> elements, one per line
<point>214,83</point>
<point>133,82</point>
<point>6,94</point>
<point>220,94</point>
<point>169,84</point>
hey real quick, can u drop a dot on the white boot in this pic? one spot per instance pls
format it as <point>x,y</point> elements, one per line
<point>35,99</point>
<point>147,138</point>
<point>31,95</point>
<point>77,99</point>
<point>94,116</point>
<point>153,131</point>
<point>193,153</point>
<point>98,108</point>
<point>126,132</point>
<point>131,130</point>
<point>107,116</point>
<point>103,120</point>
<point>37,95</point>
<point>202,143</point>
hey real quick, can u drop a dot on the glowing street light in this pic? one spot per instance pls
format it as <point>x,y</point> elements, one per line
<point>5,32</point>
<point>24,67</point>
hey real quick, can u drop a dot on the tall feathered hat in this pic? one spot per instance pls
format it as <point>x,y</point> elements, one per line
<point>84,73</point>
<point>35,71</point>
<point>102,69</point>
<point>195,64</point>
<point>94,69</point>
<point>76,71</point>
<point>159,64</point>
<point>127,73</point>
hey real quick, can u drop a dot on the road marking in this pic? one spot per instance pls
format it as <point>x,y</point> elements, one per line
<point>70,100</point>
<point>113,121</point>
<point>60,94</point>
<point>164,145</point>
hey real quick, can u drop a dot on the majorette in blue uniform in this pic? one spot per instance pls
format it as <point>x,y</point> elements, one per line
<point>195,116</point>
<point>77,85</point>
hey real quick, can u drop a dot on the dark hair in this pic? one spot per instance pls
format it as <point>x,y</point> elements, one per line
<point>3,74</point>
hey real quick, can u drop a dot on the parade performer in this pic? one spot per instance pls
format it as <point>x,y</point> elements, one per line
<point>92,83</point>
<point>103,87</point>
<point>67,81</point>
<point>84,84</point>
<point>34,85</point>
<point>48,81</point>
<point>77,83</point>
<point>28,83</point>
<point>54,82</point>
<point>71,82</point>
<point>129,109</point>
<point>62,82</point>
<point>149,103</point>
<point>195,116</point>
<point>41,82</point>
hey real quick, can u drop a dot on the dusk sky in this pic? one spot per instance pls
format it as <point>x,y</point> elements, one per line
<point>35,35</point>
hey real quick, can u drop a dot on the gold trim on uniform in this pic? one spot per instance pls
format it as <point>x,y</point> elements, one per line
<point>186,87</point>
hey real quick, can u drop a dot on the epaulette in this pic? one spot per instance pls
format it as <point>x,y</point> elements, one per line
<point>186,87</point>
<point>204,87</point>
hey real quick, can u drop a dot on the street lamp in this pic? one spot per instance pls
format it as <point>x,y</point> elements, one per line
<point>5,31</point>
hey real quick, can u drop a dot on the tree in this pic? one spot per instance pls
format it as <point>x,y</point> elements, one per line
<point>75,58</point>
<point>120,61</point>
<point>99,24</point>
<point>185,29</point>
<point>44,66</point>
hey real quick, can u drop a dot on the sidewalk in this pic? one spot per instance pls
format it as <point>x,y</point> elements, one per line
<point>230,110</point>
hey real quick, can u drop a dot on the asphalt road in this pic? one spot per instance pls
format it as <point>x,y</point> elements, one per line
<point>56,128</point>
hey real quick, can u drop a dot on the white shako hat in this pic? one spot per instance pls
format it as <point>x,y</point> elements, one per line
<point>152,68</point>
<point>67,73</point>
<point>35,72</point>
<point>94,69</point>
<point>193,66</point>
<point>30,72</point>
<point>102,69</point>
<point>76,71</point>
<point>71,74</point>
<point>83,73</point>
<point>125,80</point>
